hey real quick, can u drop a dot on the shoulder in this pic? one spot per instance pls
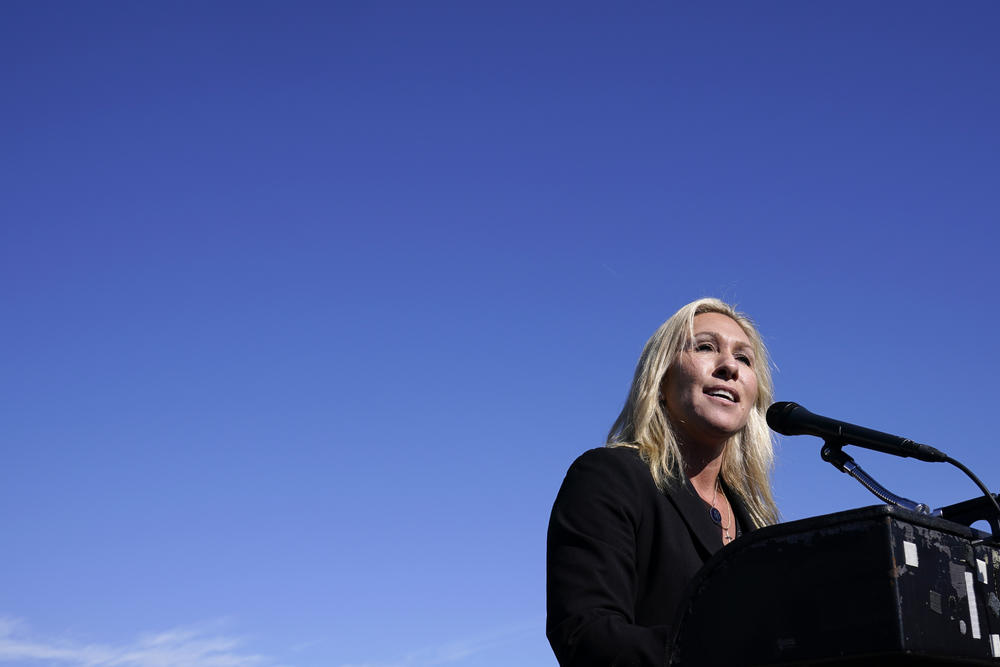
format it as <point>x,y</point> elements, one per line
<point>605,494</point>
<point>610,466</point>
<point>623,458</point>
<point>623,455</point>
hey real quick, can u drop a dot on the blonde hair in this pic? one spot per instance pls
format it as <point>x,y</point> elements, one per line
<point>644,423</point>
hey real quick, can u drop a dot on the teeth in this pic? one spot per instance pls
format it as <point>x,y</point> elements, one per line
<point>722,393</point>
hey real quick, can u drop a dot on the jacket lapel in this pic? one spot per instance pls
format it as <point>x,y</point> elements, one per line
<point>739,509</point>
<point>693,512</point>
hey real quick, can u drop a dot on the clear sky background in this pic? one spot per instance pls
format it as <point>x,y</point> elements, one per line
<point>308,306</point>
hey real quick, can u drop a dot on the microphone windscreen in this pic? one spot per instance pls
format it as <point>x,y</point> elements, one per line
<point>778,417</point>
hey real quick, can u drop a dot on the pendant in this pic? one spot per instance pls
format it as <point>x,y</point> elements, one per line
<point>716,516</point>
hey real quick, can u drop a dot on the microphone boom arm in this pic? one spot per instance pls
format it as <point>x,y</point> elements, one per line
<point>833,453</point>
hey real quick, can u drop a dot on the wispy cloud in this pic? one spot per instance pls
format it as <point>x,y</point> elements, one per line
<point>180,647</point>
<point>458,650</point>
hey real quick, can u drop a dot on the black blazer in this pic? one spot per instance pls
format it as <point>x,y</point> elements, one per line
<point>620,556</point>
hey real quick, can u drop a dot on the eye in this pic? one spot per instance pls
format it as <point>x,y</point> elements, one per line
<point>704,346</point>
<point>744,359</point>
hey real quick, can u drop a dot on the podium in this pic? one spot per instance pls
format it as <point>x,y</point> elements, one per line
<point>878,585</point>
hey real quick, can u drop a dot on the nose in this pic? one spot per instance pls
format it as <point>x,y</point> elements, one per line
<point>728,367</point>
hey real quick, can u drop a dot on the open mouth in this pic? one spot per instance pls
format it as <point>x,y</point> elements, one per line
<point>724,394</point>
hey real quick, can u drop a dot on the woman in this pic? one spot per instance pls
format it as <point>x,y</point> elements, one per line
<point>685,471</point>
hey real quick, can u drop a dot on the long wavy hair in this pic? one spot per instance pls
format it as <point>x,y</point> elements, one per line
<point>748,456</point>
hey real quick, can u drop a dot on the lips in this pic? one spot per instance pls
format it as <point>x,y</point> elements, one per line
<point>723,393</point>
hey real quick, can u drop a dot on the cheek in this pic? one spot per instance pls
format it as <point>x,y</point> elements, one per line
<point>751,392</point>
<point>678,382</point>
<point>686,371</point>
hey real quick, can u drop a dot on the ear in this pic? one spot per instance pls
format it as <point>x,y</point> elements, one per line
<point>663,387</point>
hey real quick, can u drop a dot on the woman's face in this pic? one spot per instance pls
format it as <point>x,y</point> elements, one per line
<point>711,388</point>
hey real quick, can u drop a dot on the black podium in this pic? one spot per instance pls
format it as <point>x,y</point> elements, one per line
<point>873,586</point>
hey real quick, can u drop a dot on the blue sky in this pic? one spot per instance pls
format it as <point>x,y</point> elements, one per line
<point>309,306</point>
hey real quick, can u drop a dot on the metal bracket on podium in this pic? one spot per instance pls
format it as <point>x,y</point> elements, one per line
<point>968,512</point>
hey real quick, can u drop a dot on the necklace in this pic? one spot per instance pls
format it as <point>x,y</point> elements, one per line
<point>717,515</point>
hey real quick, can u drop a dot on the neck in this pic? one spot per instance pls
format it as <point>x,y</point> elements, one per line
<point>703,470</point>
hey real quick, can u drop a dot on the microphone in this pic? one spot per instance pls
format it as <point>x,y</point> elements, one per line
<point>789,418</point>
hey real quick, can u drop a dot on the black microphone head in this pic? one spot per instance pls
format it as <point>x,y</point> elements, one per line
<point>779,417</point>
